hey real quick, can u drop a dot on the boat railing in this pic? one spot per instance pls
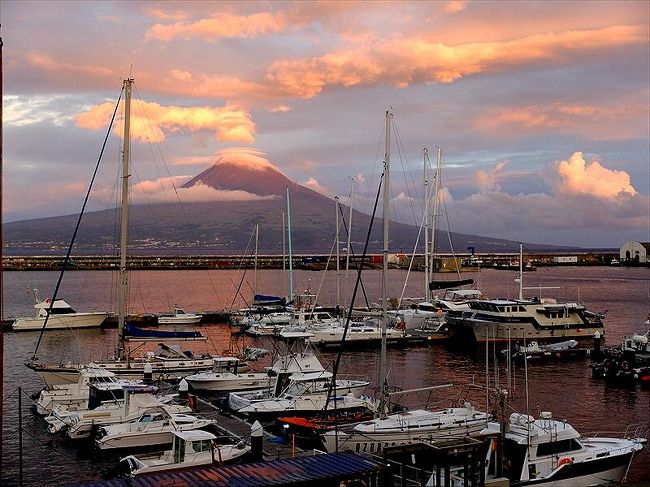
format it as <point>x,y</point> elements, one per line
<point>632,431</point>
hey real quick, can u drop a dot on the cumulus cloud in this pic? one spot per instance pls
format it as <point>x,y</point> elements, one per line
<point>228,123</point>
<point>312,183</point>
<point>578,177</point>
<point>488,180</point>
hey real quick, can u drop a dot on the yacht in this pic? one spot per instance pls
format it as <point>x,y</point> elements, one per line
<point>190,449</point>
<point>153,427</point>
<point>308,394</point>
<point>365,332</point>
<point>405,428</point>
<point>552,453</point>
<point>74,395</point>
<point>501,320</point>
<point>179,317</point>
<point>226,376</point>
<point>62,316</point>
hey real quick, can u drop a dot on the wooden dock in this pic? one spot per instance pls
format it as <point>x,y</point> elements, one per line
<point>274,448</point>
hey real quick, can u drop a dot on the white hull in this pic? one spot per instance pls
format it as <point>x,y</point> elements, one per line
<point>61,322</point>
<point>241,382</point>
<point>153,435</point>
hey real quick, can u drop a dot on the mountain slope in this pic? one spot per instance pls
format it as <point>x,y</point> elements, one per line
<point>213,227</point>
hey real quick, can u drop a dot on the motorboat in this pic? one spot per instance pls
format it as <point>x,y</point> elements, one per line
<point>226,377</point>
<point>405,428</point>
<point>503,320</point>
<point>366,331</point>
<point>168,362</point>
<point>79,423</point>
<point>548,452</point>
<point>307,394</point>
<point>179,317</point>
<point>152,428</point>
<point>189,449</point>
<point>61,316</point>
<point>74,395</point>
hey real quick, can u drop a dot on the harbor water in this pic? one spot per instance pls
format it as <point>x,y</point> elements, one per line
<point>567,390</point>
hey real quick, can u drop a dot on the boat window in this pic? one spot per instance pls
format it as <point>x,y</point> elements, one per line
<point>557,447</point>
<point>201,445</point>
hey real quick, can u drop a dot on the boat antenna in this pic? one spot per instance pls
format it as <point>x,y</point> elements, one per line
<point>124,216</point>
<point>521,271</point>
<point>66,261</point>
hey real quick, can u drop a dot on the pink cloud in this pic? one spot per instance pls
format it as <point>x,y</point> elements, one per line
<point>312,183</point>
<point>578,177</point>
<point>244,156</point>
<point>47,63</point>
<point>157,121</point>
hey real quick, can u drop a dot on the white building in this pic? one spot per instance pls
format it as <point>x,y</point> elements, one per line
<point>634,253</point>
<point>565,259</point>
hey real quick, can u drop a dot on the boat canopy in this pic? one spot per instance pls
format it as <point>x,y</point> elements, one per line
<point>195,435</point>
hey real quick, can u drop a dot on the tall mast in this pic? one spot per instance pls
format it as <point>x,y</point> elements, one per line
<point>124,215</point>
<point>338,253</point>
<point>347,254</point>
<point>434,216</point>
<point>425,192</point>
<point>521,271</point>
<point>289,240</point>
<point>384,274</point>
<point>257,241</point>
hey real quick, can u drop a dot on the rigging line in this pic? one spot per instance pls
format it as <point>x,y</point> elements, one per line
<point>354,295</point>
<point>408,272</point>
<point>74,234</point>
<point>363,288</point>
<point>237,293</point>
<point>406,170</point>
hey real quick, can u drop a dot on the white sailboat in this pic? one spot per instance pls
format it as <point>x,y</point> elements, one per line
<point>169,363</point>
<point>179,317</point>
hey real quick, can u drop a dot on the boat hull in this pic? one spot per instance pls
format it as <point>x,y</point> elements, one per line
<point>61,322</point>
<point>176,320</point>
<point>241,383</point>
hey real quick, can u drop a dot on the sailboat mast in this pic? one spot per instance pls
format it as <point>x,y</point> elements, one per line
<point>257,241</point>
<point>434,216</point>
<point>338,253</point>
<point>521,271</point>
<point>290,253</point>
<point>384,274</point>
<point>347,253</point>
<point>425,192</point>
<point>124,215</point>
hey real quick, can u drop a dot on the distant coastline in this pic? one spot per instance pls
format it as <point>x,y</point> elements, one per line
<point>445,262</point>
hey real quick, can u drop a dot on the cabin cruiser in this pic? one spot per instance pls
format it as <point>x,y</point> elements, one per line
<point>420,315</point>
<point>189,449</point>
<point>366,331</point>
<point>62,317</point>
<point>154,427</point>
<point>308,394</point>
<point>168,362</point>
<point>552,453</point>
<point>75,395</point>
<point>79,423</point>
<point>406,427</point>
<point>225,377</point>
<point>502,320</point>
<point>179,317</point>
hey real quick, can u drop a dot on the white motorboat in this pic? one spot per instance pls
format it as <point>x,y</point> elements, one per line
<point>179,317</point>
<point>225,377</point>
<point>62,316</point>
<point>75,395</point>
<point>366,331</point>
<point>79,423</point>
<point>306,395</point>
<point>190,449</point>
<point>153,427</point>
<point>552,453</point>
<point>406,428</point>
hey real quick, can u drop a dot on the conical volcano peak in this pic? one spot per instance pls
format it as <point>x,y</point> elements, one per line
<point>243,169</point>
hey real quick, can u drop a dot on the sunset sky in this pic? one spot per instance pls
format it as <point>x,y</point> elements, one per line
<point>542,109</point>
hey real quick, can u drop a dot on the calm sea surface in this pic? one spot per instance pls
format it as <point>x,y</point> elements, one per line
<point>567,390</point>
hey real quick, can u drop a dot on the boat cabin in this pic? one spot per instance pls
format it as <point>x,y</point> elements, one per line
<point>191,442</point>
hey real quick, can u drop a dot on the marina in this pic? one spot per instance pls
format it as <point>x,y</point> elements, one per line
<point>410,368</point>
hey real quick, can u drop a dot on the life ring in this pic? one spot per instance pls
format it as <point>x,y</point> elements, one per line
<point>400,325</point>
<point>48,300</point>
<point>625,365</point>
<point>564,461</point>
